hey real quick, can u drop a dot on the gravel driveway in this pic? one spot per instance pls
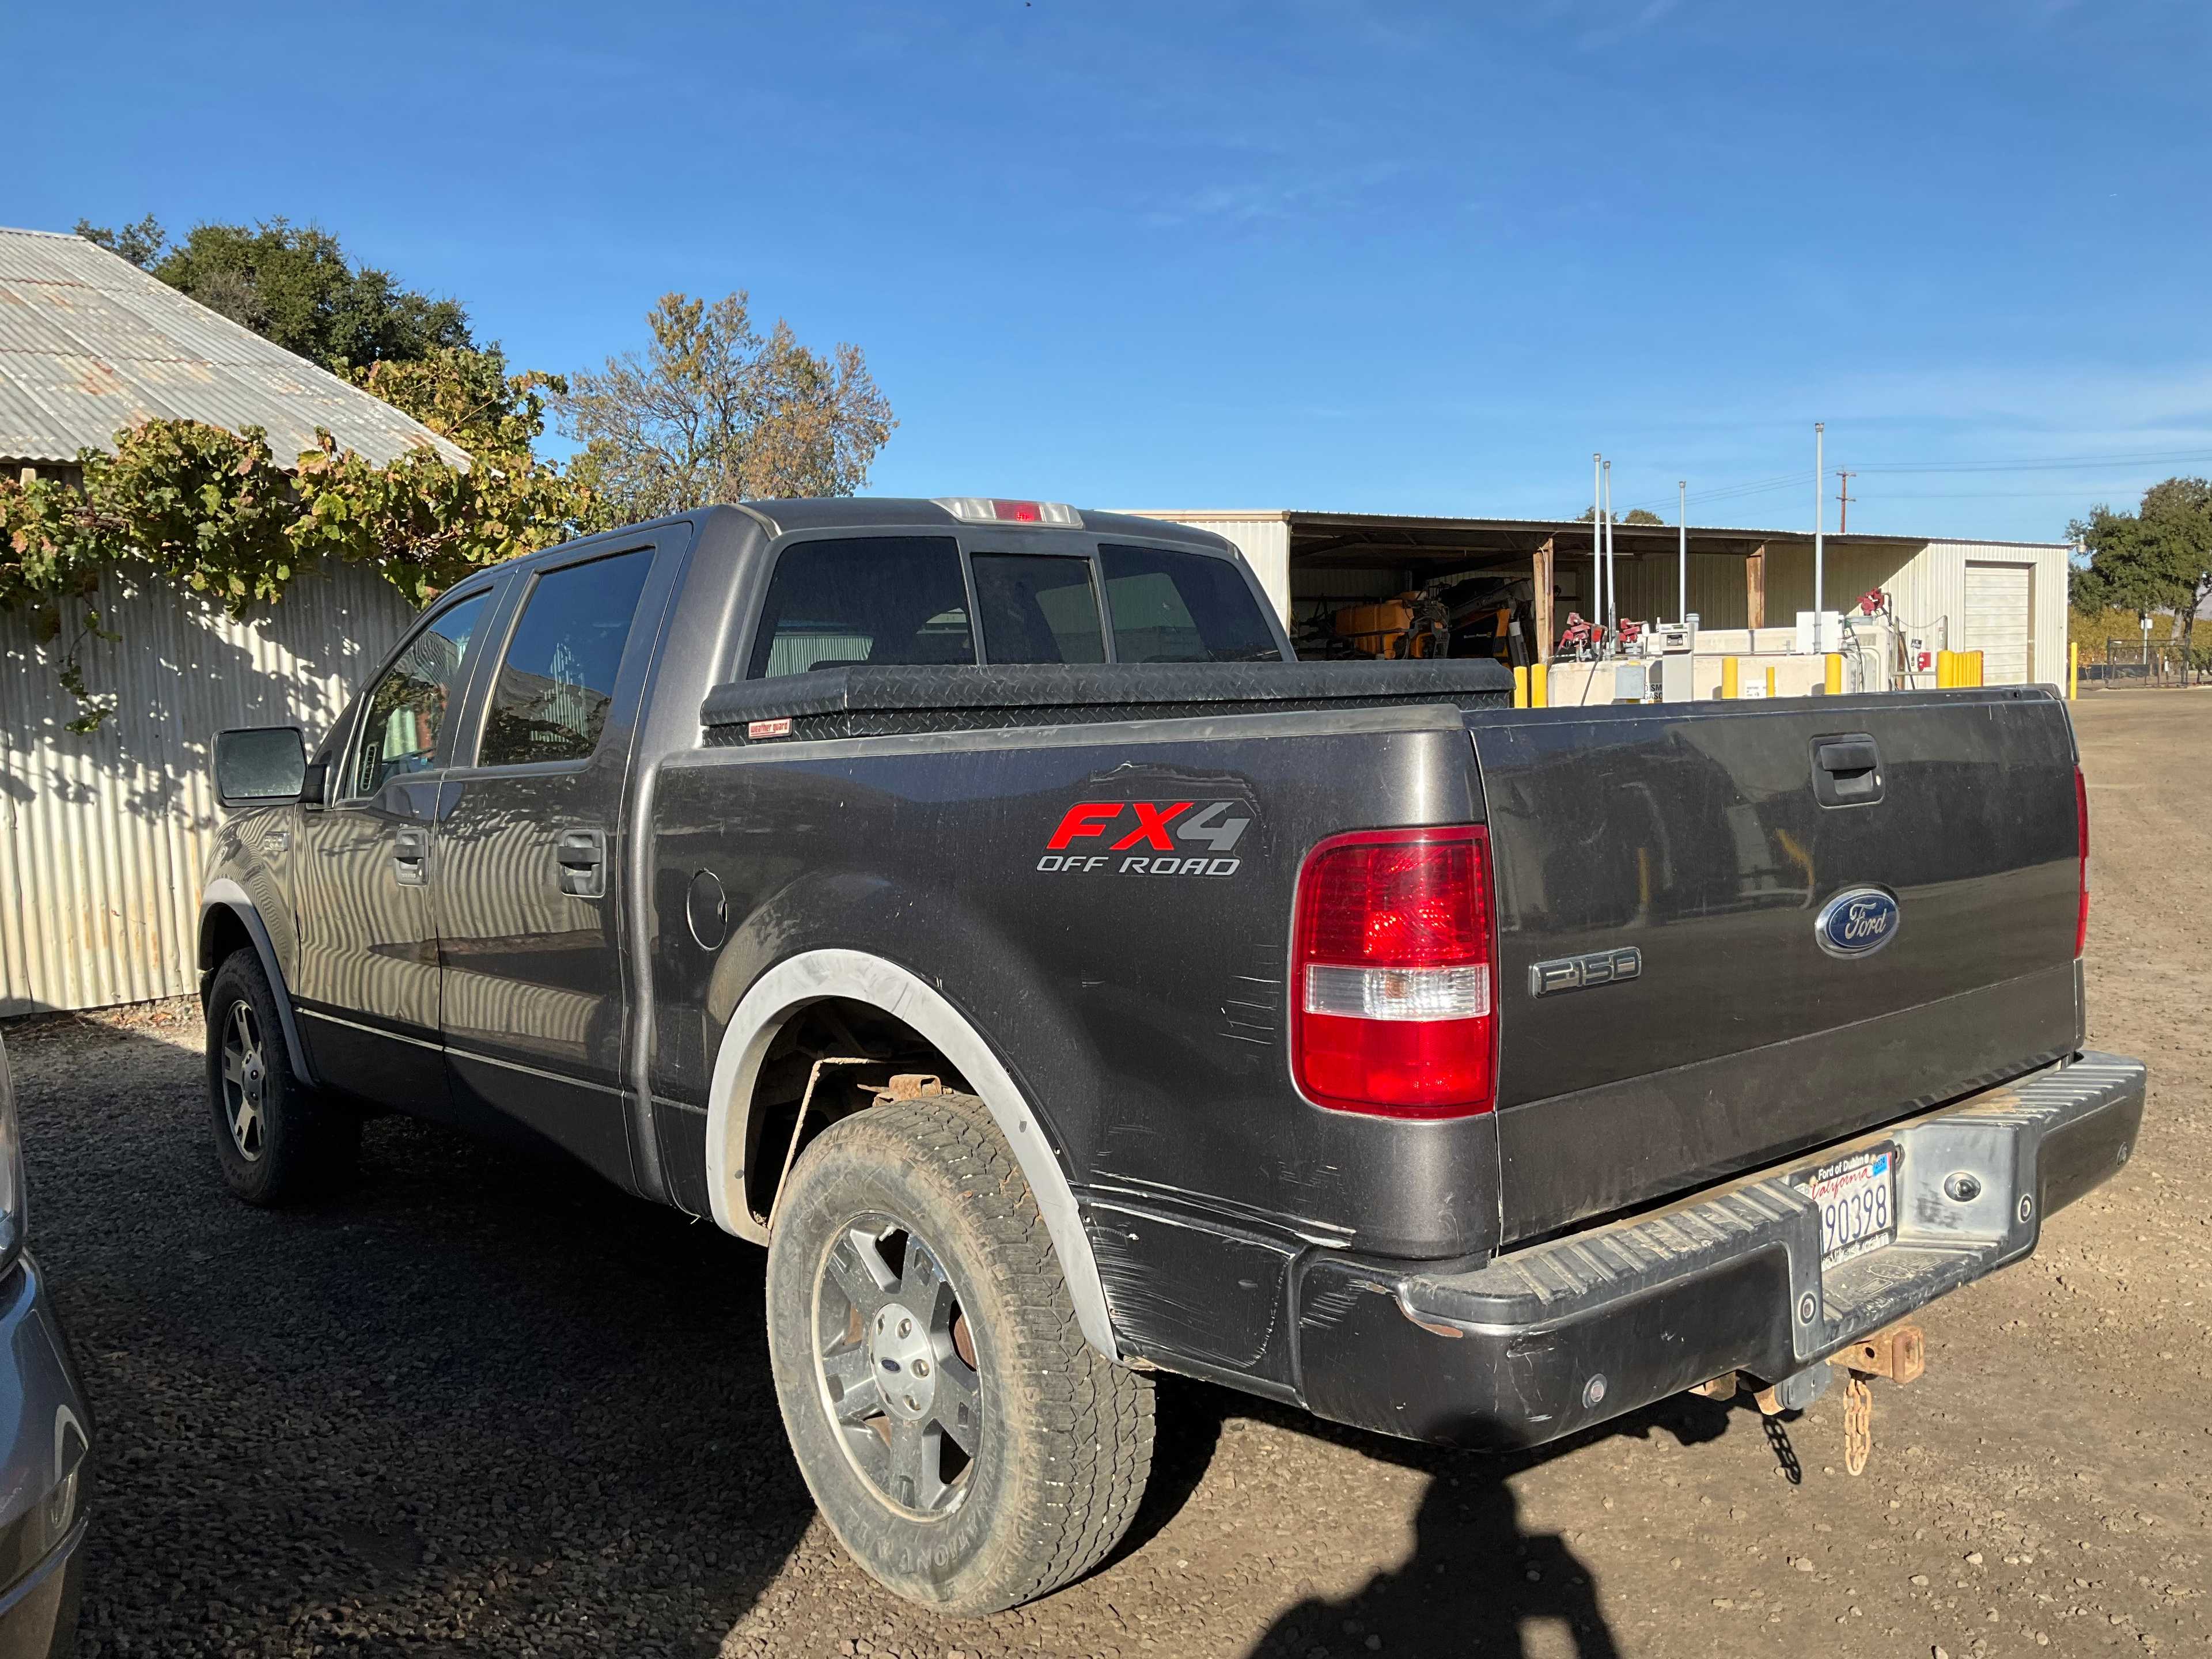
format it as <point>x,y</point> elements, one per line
<point>485,1405</point>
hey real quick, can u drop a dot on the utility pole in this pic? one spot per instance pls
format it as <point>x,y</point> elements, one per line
<point>1819,525</point>
<point>1612,571</point>
<point>1597,537</point>
<point>1843,500</point>
<point>1683,548</point>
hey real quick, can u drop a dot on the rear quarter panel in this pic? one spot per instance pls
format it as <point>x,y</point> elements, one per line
<point>1143,1016</point>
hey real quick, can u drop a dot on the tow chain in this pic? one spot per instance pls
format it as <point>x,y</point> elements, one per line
<point>1858,1423</point>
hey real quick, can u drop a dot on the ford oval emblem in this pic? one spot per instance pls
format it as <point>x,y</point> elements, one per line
<point>1855,922</point>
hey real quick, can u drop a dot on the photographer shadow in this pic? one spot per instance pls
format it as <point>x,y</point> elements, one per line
<point>1478,1583</point>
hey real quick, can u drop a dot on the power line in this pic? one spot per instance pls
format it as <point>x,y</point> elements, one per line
<point>2043,463</point>
<point>2040,464</point>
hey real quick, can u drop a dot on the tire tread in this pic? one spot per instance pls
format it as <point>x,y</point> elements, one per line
<point>1098,1415</point>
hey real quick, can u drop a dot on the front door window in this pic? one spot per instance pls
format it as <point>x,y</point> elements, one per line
<point>407,708</point>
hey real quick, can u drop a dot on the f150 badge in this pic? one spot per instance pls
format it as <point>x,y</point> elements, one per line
<point>1580,973</point>
<point>1148,838</point>
<point>1855,921</point>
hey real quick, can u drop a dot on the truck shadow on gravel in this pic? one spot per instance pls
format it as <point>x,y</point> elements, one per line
<point>477,1404</point>
<point>482,1402</point>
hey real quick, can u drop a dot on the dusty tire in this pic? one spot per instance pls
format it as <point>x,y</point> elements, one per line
<point>277,1142</point>
<point>1062,1437</point>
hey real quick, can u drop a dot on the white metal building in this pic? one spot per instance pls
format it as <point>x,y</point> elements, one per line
<point>2005,599</point>
<point>103,836</point>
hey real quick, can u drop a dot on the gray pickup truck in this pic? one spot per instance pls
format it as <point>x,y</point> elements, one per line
<point>976,902</point>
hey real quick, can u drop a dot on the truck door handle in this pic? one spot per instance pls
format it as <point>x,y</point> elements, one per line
<point>581,855</point>
<point>410,857</point>
<point>1846,770</point>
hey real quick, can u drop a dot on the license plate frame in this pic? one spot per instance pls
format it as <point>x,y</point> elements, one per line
<point>1857,1197</point>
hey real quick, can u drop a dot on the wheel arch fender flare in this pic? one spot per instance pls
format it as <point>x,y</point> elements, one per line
<point>855,975</point>
<point>224,894</point>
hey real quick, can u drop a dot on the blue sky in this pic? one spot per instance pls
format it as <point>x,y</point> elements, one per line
<point>1372,257</point>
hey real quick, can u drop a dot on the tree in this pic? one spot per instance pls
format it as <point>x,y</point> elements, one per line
<point>1634,515</point>
<point>2157,558</point>
<point>140,243</point>
<point>296,287</point>
<point>714,411</point>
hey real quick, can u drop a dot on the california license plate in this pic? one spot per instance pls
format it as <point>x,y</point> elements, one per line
<point>1857,1200</point>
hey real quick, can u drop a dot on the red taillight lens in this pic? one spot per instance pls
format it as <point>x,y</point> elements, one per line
<point>1393,1007</point>
<point>2082,829</point>
<point>1018,511</point>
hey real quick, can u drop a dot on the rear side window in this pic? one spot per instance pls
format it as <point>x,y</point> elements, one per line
<point>551,701</point>
<point>1182,607</point>
<point>1038,608</point>
<point>872,600</point>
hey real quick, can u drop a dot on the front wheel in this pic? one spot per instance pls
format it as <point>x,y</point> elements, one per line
<point>275,1140</point>
<point>969,1448</point>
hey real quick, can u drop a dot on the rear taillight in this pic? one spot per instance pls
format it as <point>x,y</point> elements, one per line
<point>2081,831</point>
<point>1392,1008</point>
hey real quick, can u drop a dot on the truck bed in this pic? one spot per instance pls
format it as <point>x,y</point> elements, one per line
<point>1148,1017</point>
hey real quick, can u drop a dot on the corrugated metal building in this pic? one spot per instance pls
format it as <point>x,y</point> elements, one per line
<point>103,837</point>
<point>90,345</point>
<point>2006,599</point>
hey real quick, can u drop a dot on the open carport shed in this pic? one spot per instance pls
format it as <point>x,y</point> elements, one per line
<point>2007,599</point>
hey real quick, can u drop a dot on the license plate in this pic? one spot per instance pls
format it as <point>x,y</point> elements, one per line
<point>1857,1200</point>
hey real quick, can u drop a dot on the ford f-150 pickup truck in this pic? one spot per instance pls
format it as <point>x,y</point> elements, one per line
<point>975,902</point>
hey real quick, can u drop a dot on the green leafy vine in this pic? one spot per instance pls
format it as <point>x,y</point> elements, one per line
<point>213,512</point>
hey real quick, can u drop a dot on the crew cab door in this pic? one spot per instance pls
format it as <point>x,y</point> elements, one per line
<point>367,980</point>
<point>533,881</point>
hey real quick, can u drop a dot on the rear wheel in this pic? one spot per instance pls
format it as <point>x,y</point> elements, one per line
<point>276,1141</point>
<point>970,1450</point>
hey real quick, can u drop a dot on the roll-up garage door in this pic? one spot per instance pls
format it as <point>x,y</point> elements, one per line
<point>2000,600</point>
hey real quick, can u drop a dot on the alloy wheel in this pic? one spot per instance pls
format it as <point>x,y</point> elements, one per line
<point>244,1081</point>
<point>895,1360</point>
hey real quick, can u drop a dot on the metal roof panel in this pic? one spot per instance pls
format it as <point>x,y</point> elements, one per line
<point>89,344</point>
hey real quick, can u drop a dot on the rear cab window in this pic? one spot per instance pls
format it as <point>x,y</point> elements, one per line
<point>1182,607</point>
<point>848,602</point>
<point>1038,607</point>
<point>855,600</point>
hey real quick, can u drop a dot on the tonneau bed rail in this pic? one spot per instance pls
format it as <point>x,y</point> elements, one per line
<point>860,700</point>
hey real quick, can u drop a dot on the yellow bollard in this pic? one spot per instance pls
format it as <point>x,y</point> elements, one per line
<point>1770,679</point>
<point>1540,686</point>
<point>1730,670</point>
<point>2073,670</point>
<point>1831,674</point>
<point>1520,687</point>
<point>1944,677</point>
<point>1973,667</point>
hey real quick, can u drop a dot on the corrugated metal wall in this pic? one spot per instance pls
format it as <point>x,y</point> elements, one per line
<point>1936,587</point>
<point>103,838</point>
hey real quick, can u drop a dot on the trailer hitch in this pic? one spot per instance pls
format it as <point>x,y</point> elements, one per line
<point>1898,1352</point>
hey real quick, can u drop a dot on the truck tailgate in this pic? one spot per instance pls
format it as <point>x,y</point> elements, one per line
<point>1697,838</point>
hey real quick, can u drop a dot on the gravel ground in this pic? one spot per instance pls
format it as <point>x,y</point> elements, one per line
<point>482,1406</point>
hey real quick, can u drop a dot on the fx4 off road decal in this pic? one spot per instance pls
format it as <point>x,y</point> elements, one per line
<point>1148,838</point>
